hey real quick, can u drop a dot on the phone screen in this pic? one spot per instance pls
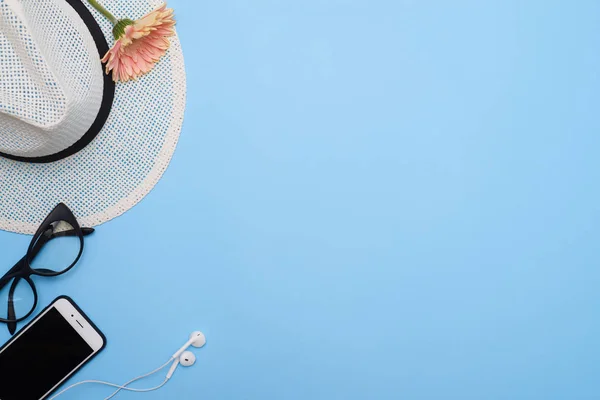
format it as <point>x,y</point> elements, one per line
<point>41,357</point>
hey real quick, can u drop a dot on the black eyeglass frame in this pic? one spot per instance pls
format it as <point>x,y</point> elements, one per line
<point>23,270</point>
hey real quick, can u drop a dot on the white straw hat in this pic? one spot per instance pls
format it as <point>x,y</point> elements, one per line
<point>67,132</point>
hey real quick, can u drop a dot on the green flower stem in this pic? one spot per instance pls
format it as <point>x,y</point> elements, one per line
<point>103,11</point>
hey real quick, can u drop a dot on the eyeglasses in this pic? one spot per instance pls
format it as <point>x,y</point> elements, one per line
<point>54,250</point>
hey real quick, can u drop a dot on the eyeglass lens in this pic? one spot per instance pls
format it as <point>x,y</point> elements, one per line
<point>58,249</point>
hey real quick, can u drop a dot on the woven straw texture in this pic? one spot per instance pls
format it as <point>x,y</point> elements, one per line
<point>128,156</point>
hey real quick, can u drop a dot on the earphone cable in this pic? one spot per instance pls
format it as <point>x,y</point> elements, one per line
<point>141,377</point>
<point>120,387</point>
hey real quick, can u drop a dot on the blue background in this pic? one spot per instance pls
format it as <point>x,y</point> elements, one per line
<point>371,199</point>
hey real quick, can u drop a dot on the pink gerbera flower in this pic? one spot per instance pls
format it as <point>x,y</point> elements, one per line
<point>139,44</point>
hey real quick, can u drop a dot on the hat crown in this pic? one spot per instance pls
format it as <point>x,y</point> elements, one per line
<point>28,89</point>
<point>50,77</point>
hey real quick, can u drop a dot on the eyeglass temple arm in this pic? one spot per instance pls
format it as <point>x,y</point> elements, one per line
<point>71,232</point>
<point>46,237</point>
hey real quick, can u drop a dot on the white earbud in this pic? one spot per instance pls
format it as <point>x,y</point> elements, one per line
<point>184,357</point>
<point>187,359</point>
<point>197,339</point>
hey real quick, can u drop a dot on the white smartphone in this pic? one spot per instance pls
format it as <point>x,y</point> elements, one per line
<point>46,352</point>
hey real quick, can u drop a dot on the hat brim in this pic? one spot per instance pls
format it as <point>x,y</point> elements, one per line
<point>126,159</point>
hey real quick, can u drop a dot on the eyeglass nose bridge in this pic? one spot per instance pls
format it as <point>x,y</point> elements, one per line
<point>20,270</point>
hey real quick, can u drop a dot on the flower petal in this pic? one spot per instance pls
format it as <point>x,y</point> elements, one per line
<point>143,44</point>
